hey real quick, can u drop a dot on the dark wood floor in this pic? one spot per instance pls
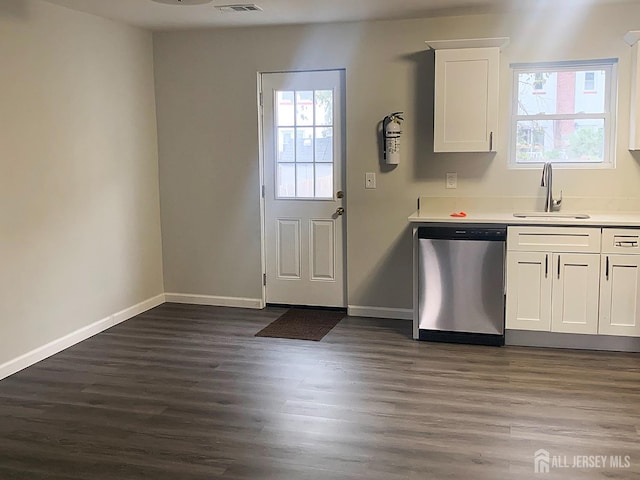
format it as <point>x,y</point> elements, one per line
<point>187,392</point>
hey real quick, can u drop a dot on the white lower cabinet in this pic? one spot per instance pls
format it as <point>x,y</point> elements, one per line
<point>620,282</point>
<point>574,295</point>
<point>553,288</point>
<point>528,303</point>
<point>548,291</point>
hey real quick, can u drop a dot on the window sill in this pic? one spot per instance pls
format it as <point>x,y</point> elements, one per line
<point>562,166</point>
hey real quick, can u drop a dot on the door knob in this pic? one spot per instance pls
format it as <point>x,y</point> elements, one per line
<point>339,211</point>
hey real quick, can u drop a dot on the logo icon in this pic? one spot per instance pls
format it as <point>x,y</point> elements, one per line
<point>541,461</point>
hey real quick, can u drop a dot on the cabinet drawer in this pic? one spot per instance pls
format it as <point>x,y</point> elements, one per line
<point>554,239</point>
<point>621,240</point>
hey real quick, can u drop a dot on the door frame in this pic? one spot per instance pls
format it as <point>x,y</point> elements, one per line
<point>261,165</point>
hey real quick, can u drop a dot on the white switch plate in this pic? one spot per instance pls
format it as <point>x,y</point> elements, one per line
<point>370,180</point>
<point>451,180</point>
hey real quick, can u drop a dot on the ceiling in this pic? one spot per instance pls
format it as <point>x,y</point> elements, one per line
<point>159,16</point>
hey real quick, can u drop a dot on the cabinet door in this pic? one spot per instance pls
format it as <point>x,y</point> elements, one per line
<point>634,134</point>
<point>574,298</point>
<point>620,295</point>
<point>466,99</point>
<point>528,303</point>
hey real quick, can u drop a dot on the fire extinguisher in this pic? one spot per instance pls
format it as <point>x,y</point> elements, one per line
<point>391,133</point>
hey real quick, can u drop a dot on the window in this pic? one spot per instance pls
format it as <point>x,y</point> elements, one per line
<point>538,83</point>
<point>589,81</point>
<point>304,123</point>
<point>572,124</point>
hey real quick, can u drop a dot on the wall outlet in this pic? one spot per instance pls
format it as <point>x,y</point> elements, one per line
<point>370,180</point>
<point>451,180</point>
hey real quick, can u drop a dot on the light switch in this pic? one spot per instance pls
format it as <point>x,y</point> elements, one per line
<point>451,180</point>
<point>370,180</point>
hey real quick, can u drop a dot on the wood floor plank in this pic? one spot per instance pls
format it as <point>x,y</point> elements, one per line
<point>188,392</point>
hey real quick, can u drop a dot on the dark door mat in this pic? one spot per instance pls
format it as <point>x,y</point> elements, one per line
<point>302,324</point>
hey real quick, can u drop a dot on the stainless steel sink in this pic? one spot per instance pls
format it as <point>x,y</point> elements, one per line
<point>575,216</point>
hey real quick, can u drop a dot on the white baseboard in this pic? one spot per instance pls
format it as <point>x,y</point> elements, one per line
<point>141,307</point>
<point>380,312</point>
<point>215,301</point>
<point>56,346</point>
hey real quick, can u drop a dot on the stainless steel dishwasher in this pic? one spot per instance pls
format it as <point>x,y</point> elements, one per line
<point>461,283</point>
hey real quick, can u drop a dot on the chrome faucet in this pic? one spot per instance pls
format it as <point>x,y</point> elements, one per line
<point>547,180</point>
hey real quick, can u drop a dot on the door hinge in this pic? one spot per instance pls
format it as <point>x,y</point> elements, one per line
<point>264,279</point>
<point>261,99</point>
<point>263,191</point>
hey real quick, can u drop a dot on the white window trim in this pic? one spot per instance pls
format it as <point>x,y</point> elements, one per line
<point>610,107</point>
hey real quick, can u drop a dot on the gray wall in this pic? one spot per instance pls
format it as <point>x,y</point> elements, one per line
<point>79,201</point>
<point>208,132</point>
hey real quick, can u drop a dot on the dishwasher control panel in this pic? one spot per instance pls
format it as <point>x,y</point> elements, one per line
<point>466,232</point>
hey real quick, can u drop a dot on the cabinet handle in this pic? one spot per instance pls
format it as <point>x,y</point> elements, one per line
<point>626,243</point>
<point>606,270</point>
<point>546,265</point>
<point>558,266</point>
<point>491,141</point>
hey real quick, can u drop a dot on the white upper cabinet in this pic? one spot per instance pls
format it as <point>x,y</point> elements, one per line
<point>466,95</point>
<point>634,134</point>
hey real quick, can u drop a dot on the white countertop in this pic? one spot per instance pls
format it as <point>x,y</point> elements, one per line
<point>600,219</point>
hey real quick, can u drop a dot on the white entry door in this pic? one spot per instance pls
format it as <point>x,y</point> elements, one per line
<point>303,187</point>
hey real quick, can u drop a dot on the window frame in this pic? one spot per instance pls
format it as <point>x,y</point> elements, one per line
<point>609,65</point>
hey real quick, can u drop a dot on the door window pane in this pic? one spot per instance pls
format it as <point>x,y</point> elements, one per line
<point>324,180</point>
<point>284,109</point>
<point>304,145</point>
<point>304,180</point>
<point>324,144</point>
<point>324,107</point>
<point>286,149</point>
<point>304,107</point>
<point>286,180</point>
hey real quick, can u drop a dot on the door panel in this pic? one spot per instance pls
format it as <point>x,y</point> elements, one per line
<point>323,259</point>
<point>303,171</point>
<point>288,246</point>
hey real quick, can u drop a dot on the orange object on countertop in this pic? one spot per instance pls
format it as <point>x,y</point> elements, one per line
<point>458,215</point>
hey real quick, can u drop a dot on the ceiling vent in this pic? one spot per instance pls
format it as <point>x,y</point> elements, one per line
<point>244,7</point>
<point>183,2</point>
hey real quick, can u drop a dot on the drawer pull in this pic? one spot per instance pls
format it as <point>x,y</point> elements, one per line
<point>627,243</point>
<point>606,271</point>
